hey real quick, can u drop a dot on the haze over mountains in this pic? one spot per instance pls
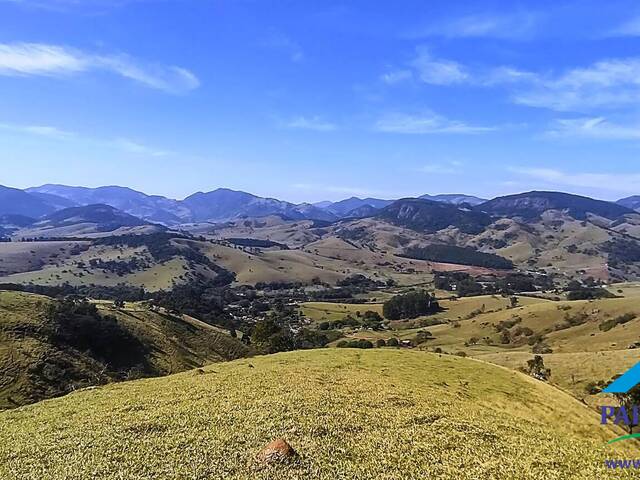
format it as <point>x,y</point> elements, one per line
<point>225,204</point>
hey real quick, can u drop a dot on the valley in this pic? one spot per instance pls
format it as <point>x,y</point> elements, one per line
<point>374,299</point>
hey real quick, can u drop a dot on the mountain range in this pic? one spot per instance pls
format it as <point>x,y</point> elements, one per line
<point>34,206</point>
<point>215,206</point>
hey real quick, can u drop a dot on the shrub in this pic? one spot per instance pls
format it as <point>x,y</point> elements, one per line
<point>381,343</point>
<point>393,342</point>
<point>613,322</point>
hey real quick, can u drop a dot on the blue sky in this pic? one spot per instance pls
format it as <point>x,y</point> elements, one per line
<point>315,100</point>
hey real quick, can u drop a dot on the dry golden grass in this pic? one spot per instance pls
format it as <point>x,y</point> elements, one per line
<point>383,414</point>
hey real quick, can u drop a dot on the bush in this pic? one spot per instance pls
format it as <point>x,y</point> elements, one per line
<point>361,343</point>
<point>613,322</point>
<point>381,343</point>
<point>393,342</point>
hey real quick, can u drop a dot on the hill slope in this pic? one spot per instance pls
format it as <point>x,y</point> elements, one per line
<point>532,204</point>
<point>17,202</point>
<point>40,358</point>
<point>154,208</point>
<point>429,216</point>
<point>349,414</point>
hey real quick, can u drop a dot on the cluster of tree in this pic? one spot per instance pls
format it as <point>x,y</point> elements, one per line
<point>278,285</point>
<point>364,282</point>
<point>76,323</point>
<point>462,283</point>
<point>410,305</point>
<point>125,293</point>
<point>203,299</point>
<point>118,267</point>
<point>589,290</point>
<point>361,343</point>
<point>369,319</point>
<point>536,368</point>
<point>274,334</point>
<point>458,255</point>
<point>256,243</point>
<point>622,252</point>
<point>466,285</point>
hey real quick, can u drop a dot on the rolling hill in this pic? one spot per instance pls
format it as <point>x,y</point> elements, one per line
<point>45,354</point>
<point>153,208</point>
<point>455,199</point>
<point>532,204</point>
<point>17,202</point>
<point>428,216</point>
<point>90,219</point>
<point>225,204</point>
<point>347,413</point>
<point>630,202</point>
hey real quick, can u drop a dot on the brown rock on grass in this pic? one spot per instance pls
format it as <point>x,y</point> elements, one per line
<point>277,451</point>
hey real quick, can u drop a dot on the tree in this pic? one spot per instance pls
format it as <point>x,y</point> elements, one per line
<point>536,368</point>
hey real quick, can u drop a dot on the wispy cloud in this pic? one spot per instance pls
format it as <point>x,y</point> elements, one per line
<point>593,127</point>
<point>426,123</point>
<point>36,59</point>
<point>437,71</point>
<point>613,182</point>
<point>517,25</point>
<point>396,76</point>
<point>40,130</point>
<point>630,28</point>
<point>309,123</point>
<point>605,84</point>
<point>123,144</point>
<point>137,148</point>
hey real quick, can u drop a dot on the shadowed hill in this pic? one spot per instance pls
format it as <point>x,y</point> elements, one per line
<point>532,204</point>
<point>48,349</point>
<point>429,216</point>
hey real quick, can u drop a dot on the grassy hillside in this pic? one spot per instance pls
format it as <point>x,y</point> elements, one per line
<point>35,363</point>
<point>349,414</point>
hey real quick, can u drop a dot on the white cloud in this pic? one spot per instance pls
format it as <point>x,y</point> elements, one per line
<point>630,28</point>
<point>36,59</point>
<point>613,182</point>
<point>503,26</point>
<point>436,71</point>
<point>593,127</point>
<point>396,76</point>
<point>40,130</point>
<point>309,123</point>
<point>605,84</point>
<point>426,124</point>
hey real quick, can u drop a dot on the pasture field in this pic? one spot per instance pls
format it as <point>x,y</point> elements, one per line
<point>349,414</point>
